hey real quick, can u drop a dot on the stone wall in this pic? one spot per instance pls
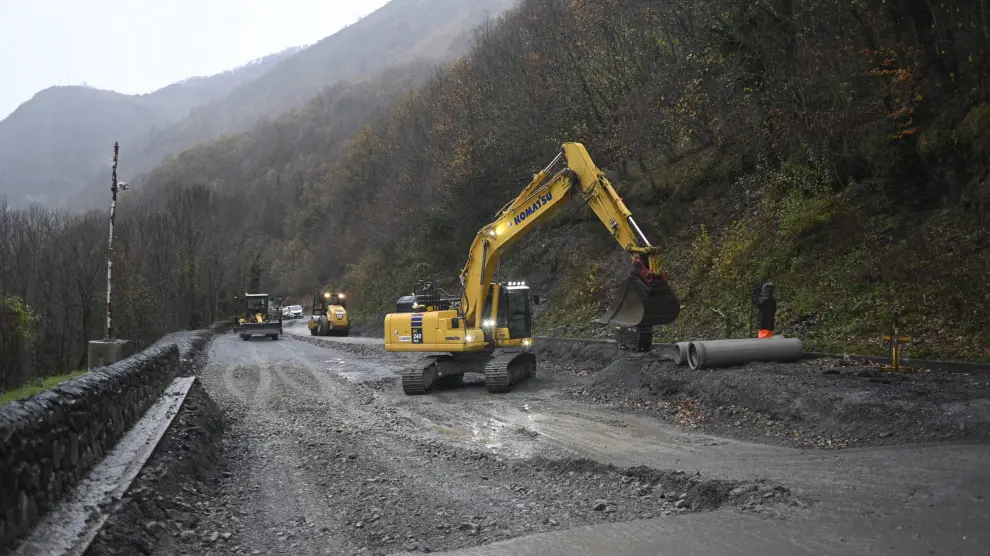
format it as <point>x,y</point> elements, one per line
<point>49,442</point>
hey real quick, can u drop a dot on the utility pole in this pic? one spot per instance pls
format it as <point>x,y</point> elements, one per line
<point>109,350</point>
<point>113,212</point>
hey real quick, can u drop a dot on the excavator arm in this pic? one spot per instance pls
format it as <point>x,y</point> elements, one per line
<point>645,299</point>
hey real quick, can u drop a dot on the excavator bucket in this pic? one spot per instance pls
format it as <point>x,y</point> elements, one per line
<point>642,304</point>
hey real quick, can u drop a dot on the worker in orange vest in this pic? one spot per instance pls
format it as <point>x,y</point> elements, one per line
<point>767,307</point>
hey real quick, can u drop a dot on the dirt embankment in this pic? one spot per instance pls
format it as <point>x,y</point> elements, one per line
<point>372,326</point>
<point>822,403</point>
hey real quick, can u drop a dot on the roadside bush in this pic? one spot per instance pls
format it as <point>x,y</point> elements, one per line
<point>16,333</point>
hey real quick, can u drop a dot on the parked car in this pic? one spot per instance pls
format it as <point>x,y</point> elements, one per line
<point>293,311</point>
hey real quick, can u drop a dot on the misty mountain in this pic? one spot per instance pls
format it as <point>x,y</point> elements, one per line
<point>76,136</point>
<point>402,31</point>
<point>63,136</point>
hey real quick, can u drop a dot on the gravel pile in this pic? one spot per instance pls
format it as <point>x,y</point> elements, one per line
<point>824,403</point>
<point>431,497</point>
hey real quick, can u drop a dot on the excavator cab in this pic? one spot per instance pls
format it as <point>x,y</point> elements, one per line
<point>425,297</point>
<point>514,320</point>
<point>514,310</point>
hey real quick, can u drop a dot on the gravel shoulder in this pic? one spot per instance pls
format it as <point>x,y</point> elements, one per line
<point>821,403</point>
<point>818,404</point>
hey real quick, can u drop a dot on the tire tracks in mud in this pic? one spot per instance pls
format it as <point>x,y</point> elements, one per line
<point>232,376</point>
<point>283,505</point>
<point>327,457</point>
<point>322,462</point>
<point>525,423</point>
<point>537,420</point>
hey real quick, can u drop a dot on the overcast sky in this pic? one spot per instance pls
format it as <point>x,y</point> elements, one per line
<point>135,46</point>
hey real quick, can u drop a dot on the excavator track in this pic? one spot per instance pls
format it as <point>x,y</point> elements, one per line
<point>421,378</point>
<point>502,372</point>
<point>506,370</point>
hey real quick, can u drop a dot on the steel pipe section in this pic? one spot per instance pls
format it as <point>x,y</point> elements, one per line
<point>726,353</point>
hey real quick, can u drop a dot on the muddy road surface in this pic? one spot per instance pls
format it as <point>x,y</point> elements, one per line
<point>322,453</point>
<point>299,328</point>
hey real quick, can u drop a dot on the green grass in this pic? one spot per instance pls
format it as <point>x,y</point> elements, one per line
<point>37,387</point>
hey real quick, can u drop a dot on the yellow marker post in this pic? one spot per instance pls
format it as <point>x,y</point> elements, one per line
<point>895,341</point>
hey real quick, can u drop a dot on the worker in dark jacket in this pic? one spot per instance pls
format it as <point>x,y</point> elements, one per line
<point>766,303</point>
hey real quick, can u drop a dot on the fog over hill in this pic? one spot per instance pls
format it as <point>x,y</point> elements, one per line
<point>55,148</point>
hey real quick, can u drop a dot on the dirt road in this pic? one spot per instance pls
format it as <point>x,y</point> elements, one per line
<point>324,454</point>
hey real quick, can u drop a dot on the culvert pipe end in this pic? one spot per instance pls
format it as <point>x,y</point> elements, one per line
<point>681,353</point>
<point>693,355</point>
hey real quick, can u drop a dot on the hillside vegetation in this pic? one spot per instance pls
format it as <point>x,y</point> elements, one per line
<point>838,149</point>
<point>399,33</point>
<point>203,229</point>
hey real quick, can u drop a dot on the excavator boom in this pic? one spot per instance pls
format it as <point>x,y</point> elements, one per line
<point>645,299</point>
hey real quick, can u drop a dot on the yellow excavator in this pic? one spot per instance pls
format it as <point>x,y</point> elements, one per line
<point>489,315</point>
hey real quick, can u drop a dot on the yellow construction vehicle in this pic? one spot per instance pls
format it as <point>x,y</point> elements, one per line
<point>329,316</point>
<point>262,316</point>
<point>489,314</point>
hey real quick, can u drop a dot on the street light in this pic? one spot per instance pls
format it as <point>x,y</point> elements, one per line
<point>115,186</point>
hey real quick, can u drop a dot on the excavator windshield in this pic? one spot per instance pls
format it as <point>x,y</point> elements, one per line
<point>515,313</point>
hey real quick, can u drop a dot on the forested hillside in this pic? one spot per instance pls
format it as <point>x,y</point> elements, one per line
<point>838,149</point>
<point>401,32</point>
<point>203,229</point>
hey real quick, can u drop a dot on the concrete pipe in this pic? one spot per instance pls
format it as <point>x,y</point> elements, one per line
<point>681,353</point>
<point>725,353</point>
<point>681,348</point>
